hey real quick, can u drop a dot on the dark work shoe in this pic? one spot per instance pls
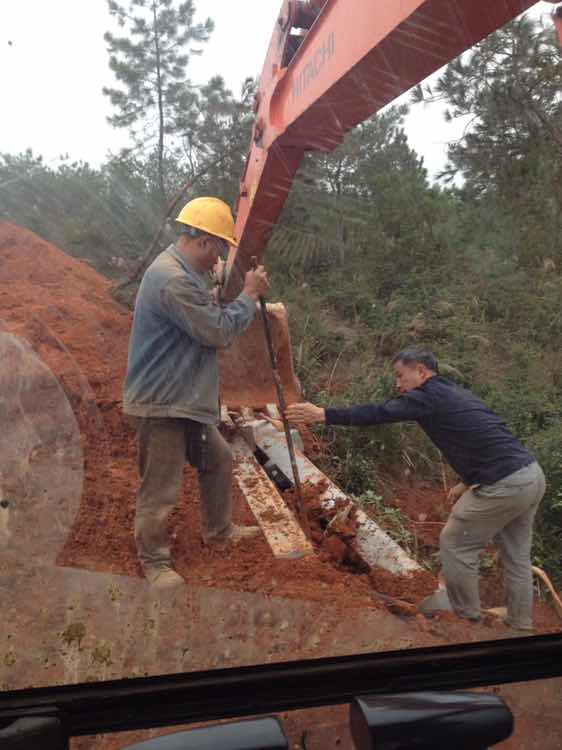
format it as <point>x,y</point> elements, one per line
<point>501,614</point>
<point>234,534</point>
<point>436,602</point>
<point>163,578</point>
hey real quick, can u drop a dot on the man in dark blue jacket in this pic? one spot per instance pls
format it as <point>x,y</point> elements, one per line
<point>501,483</point>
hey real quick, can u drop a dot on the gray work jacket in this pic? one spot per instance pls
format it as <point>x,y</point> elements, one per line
<point>172,368</point>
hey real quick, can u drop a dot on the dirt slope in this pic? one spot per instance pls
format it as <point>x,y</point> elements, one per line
<point>64,309</point>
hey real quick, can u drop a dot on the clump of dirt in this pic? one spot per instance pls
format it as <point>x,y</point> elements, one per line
<point>334,533</point>
<point>411,588</point>
<point>270,515</point>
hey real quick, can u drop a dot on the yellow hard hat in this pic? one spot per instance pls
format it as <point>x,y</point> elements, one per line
<point>210,215</point>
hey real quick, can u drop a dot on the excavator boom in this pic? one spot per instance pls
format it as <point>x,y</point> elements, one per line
<point>331,64</point>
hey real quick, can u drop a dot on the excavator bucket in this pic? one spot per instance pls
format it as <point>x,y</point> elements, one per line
<point>246,374</point>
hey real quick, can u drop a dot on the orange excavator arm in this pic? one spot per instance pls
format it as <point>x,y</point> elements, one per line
<point>331,64</point>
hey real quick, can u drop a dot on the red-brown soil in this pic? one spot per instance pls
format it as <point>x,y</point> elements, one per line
<point>64,309</point>
<point>425,508</point>
<point>334,533</point>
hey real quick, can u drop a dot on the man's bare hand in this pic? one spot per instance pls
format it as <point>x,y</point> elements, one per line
<point>456,491</point>
<point>219,271</point>
<point>305,413</point>
<point>256,283</point>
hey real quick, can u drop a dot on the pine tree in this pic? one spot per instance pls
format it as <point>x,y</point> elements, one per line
<point>510,156</point>
<point>151,63</point>
<point>510,88</point>
<point>219,136</point>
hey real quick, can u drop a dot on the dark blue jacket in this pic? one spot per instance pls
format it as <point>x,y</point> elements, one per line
<point>473,439</point>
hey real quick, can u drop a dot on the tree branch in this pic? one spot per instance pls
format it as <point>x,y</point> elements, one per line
<point>147,258</point>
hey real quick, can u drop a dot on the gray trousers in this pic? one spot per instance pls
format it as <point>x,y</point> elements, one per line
<point>164,446</point>
<point>504,510</point>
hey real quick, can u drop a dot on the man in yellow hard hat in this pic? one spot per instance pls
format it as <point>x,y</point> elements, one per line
<point>172,383</point>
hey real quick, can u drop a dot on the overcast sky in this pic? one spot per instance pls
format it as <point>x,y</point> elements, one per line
<point>53,64</point>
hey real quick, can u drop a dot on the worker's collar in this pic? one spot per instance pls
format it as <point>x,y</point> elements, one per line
<point>174,252</point>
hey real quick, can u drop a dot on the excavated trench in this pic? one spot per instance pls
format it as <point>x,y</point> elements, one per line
<point>334,533</point>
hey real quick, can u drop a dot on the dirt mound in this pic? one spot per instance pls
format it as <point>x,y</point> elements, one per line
<point>64,309</point>
<point>334,533</point>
